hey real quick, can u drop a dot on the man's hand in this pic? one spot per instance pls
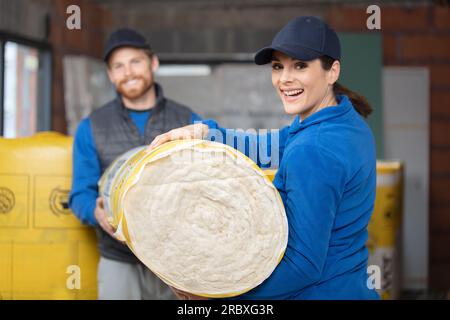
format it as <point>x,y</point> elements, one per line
<point>193,131</point>
<point>102,219</point>
<point>181,295</point>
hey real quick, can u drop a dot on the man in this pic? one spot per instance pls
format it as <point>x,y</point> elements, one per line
<point>138,114</point>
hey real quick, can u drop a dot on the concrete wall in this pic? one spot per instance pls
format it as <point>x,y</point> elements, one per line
<point>25,18</point>
<point>236,95</point>
<point>214,27</point>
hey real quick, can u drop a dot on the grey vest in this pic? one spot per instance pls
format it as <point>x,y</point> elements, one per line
<point>115,133</point>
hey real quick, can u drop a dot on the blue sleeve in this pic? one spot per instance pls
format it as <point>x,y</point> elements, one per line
<point>195,118</point>
<point>314,183</point>
<point>86,173</point>
<point>265,147</point>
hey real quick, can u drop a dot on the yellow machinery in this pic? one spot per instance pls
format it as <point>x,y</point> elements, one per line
<point>45,253</point>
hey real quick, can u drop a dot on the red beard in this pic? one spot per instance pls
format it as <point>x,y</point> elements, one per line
<point>137,91</point>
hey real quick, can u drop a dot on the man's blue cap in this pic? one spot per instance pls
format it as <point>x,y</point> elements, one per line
<point>303,38</point>
<point>124,37</point>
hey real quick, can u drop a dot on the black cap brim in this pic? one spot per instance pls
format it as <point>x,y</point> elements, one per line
<point>264,55</point>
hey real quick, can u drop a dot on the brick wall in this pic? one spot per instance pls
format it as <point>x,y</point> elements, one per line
<point>95,23</point>
<point>420,36</point>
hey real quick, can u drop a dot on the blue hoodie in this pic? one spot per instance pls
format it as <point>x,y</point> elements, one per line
<point>327,180</point>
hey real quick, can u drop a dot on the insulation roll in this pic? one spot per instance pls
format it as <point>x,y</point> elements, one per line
<point>199,214</point>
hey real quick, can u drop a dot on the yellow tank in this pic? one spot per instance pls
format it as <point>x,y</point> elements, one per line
<point>385,227</point>
<point>45,252</point>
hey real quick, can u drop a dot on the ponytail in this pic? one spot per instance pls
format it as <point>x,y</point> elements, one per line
<point>359,102</point>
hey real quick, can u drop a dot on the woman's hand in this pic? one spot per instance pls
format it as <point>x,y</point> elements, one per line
<point>193,131</point>
<point>181,295</point>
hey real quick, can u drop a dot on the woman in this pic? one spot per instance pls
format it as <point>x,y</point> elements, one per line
<point>327,173</point>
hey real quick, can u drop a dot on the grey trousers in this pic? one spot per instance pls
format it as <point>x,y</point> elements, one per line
<point>127,281</point>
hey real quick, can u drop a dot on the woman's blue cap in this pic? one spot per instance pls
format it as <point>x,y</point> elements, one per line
<point>304,38</point>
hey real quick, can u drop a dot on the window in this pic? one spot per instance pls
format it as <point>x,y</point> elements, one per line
<point>25,87</point>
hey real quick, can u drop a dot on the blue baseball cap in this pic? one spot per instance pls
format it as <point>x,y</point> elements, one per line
<point>124,37</point>
<point>304,38</point>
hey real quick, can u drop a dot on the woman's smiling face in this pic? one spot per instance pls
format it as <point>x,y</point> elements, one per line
<point>304,86</point>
